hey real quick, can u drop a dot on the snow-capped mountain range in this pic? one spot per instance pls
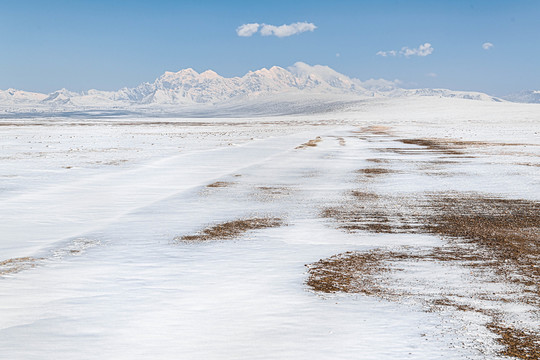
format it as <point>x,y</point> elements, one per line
<point>187,87</point>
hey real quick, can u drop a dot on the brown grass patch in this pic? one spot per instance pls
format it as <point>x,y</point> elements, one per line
<point>112,162</point>
<point>15,265</point>
<point>494,234</point>
<point>433,145</point>
<point>517,343</point>
<point>507,231</point>
<point>310,143</point>
<point>366,211</point>
<point>529,164</point>
<point>350,272</point>
<point>231,229</point>
<point>378,161</point>
<point>219,184</point>
<point>374,171</point>
<point>446,146</point>
<point>363,195</point>
<point>450,303</point>
<point>497,239</point>
<point>342,141</point>
<point>375,130</point>
<point>502,234</point>
<point>469,143</point>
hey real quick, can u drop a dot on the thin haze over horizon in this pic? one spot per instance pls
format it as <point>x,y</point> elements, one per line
<point>487,46</point>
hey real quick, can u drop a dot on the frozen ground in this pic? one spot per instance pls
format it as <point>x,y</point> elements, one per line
<point>92,212</point>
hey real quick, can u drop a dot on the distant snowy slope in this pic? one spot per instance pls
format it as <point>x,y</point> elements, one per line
<point>527,96</point>
<point>14,97</point>
<point>187,87</point>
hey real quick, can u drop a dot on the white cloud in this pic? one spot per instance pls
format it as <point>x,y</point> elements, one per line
<point>286,30</point>
<point>422,50</point>
<point>387,53</point>
<point>431,74</point>
<point>338,54</point>
<point>487,45</point>
<point>247,29</point>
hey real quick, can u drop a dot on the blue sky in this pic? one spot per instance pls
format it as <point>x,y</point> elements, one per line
<point>47,45</point>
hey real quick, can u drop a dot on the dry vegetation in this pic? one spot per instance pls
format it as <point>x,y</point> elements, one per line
<point>374,171</point>
<point>310,143</point>
<point>348,272</point>
<point>434,145</point>
<point>517,343</point>
<point>231,229</point>
<point>375,130</point>
<point>497,239</point>
<point>378,160</point>
<point>451,147</point>
<point>219,184</point>
<point>506,230</point>
<point>15,265</point>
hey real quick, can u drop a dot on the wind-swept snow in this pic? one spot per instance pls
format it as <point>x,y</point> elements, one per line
<point>95,209</point>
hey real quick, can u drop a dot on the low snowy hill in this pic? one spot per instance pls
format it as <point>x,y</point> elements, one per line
<point>175,91</point>
<point>527,96</point>
<point>19,97</point>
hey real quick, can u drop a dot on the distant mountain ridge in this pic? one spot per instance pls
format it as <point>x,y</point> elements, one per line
<point>526,96</point>
<point>187,87</point>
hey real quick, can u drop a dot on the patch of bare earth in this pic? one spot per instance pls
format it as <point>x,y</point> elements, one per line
<point>350,272</point>
<point>431,145</point>
<point>517,343</point>
<point>370,172</point>
<point>310,143</point>
<point>75,248</point>
<point>378,160</point>
<point>219,184</point>
<point>112,162</point>
<point>375,130</point>
<point>15,265</point>
<point>454,147</point>
<point>231,229</point>
<point>508,230</point>
<point>529,164</point>
<point>497,239</point>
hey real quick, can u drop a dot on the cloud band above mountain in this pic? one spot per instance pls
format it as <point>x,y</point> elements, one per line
<point>422,50</point>
<point>284,30</point>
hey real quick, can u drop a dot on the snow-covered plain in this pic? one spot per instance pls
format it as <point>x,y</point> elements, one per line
<point>93,208</point>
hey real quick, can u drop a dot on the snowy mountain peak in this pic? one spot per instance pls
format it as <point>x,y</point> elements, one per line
<point>60,97</point>
<point>323,72</point>
<point>209,74</point>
